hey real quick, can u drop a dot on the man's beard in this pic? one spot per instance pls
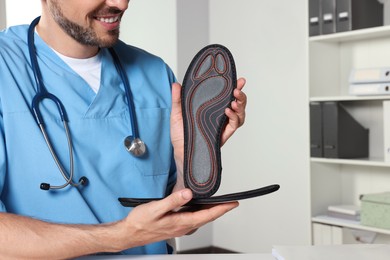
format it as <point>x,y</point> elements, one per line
<point>83,35</point>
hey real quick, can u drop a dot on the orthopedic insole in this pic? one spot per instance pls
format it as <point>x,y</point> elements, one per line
<point>207,91</point>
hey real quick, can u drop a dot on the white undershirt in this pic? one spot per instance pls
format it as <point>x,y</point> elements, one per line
<point>89,69</point>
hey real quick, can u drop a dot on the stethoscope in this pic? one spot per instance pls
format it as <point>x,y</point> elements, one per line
<point>133,143</point>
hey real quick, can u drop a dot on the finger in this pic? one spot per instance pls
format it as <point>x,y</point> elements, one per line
<point>191,232</point>
<point>231,127</point>
<point>234,119</point>
<point>212,212</point>
<point>239,110</point>
<point>240,97</point>
<point>208,213</point>
<point>240,103</point>
<point>237,107</point>
<point>181,223</point>
<point>172,202</point>
<point>233,204</point>
<point>241,83</point>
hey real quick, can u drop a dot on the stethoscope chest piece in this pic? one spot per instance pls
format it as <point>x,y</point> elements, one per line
<point>135,146</point>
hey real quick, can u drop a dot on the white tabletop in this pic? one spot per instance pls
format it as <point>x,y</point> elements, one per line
<point>188,257</point>
<point>331,252</point>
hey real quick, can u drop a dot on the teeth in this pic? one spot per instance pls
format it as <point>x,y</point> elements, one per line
<point>108,20</point>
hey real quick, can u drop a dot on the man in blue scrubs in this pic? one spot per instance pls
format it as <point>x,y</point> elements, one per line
<point>71,43</point>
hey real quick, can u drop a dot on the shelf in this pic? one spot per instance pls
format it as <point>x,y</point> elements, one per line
<point>363,34</point>
<point>377,162</point>
<point>347,223</point>
<point>341,181</point>
<point>349,98</point>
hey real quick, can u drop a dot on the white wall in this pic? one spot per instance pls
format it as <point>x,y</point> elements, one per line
<point>152,25</point>
<point>21,11</point>
<point>2,14</point>
<point>167,29</point>
<point>192,30</point>
<point>268,39</point>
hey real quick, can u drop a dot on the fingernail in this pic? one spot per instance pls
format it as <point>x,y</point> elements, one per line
<point>186,194</point>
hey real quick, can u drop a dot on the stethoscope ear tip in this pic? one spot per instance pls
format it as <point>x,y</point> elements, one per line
<point>83,181</point>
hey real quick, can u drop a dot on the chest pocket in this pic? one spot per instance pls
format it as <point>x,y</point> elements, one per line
<point>154,130</point>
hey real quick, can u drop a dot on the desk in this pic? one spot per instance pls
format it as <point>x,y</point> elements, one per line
<point>333,252</point>
<point>188,257</point>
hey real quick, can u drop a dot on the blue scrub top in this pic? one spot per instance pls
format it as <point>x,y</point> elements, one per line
<point>98,124</point>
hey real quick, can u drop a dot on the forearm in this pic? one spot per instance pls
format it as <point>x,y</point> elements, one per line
<point>23,237</point>
<point>26,238</point>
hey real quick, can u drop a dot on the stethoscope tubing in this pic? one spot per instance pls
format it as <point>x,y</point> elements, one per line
<point>68,179</point>
<point>129,95</point>
<point>38,98</point>
<point>33,57</point>
<point>42,94</point>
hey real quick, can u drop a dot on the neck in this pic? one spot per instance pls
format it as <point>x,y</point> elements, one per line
<point>60,41</point>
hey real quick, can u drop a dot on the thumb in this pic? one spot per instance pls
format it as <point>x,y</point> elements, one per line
<point>176,98</point>
<point>173,201</point>
<point>176,88</point>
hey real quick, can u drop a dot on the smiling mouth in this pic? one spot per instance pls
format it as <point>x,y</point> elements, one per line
<point>108,20</point>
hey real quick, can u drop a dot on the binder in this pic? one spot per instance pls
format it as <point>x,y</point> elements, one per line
<point>316,144</point>
<point>386,130</point>
<point>337,235</point>
<point>358,14</point>
<point>322,234</point>
<point>386,11</point>
<point>369,75</point>
<point>370,81</point>
<point>343,136</point>
<point>328,12</point>
<point>369,89</point>
<point>314,17</point>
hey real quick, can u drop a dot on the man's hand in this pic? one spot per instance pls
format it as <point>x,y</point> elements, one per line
<point>160,220</point>
<point>235,114</point>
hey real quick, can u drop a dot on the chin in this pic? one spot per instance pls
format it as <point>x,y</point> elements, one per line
<point>109,41</point>
<point>107,44</point>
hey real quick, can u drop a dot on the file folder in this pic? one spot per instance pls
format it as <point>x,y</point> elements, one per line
<point>314,17</point>
<point>343,136</point>
<point>358,14</point>
<point>316,144</point>
<point>328,10</point>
